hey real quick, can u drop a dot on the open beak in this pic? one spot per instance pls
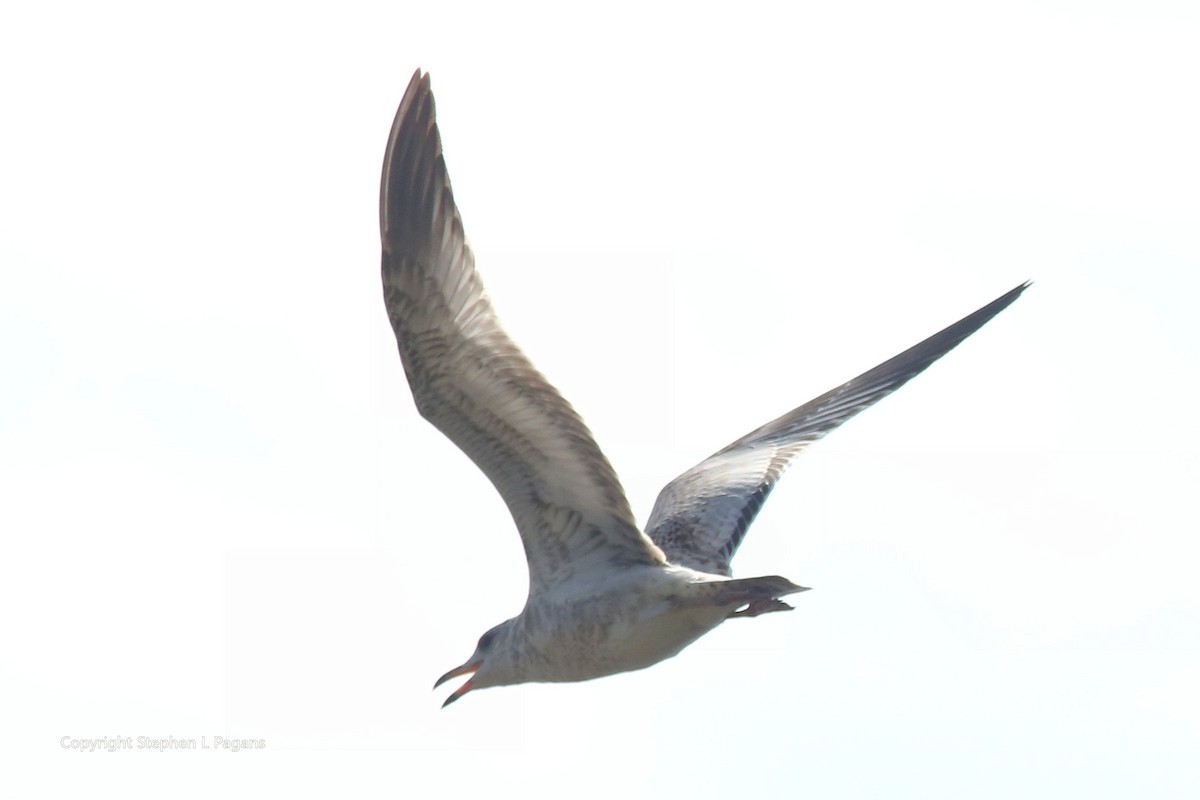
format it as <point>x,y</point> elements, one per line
<point>465,669</point>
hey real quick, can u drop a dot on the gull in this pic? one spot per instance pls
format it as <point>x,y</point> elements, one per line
<point>604,595</point>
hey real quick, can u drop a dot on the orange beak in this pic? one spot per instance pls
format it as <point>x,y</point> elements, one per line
<point>465,669</point>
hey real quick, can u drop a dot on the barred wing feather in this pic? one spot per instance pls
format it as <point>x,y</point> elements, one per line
<point>470,380</point>
<point>701,517</point>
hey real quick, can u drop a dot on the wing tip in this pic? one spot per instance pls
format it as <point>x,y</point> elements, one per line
<point>1021,288</point>
<point>417,103</point>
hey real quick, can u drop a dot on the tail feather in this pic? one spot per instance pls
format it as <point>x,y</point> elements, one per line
<point>758,595</point>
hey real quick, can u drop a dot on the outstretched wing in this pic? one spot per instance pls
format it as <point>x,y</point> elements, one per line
<point>472,382</point>
<point>702,516</point>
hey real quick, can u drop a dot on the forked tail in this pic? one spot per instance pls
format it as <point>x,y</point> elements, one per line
<point>749,597</point>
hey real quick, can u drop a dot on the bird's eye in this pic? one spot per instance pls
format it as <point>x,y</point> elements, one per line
<point>485,641</point>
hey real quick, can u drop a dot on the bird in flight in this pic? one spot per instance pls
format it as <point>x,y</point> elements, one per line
<point>604,595</point>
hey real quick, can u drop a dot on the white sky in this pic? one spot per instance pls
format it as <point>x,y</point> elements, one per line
<point>225,518</point>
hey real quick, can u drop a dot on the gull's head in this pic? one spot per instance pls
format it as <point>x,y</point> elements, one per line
<point>491,663</point>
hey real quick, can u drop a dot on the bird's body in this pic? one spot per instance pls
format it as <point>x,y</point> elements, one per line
<point>604,596</point>
<point>607,623</point>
